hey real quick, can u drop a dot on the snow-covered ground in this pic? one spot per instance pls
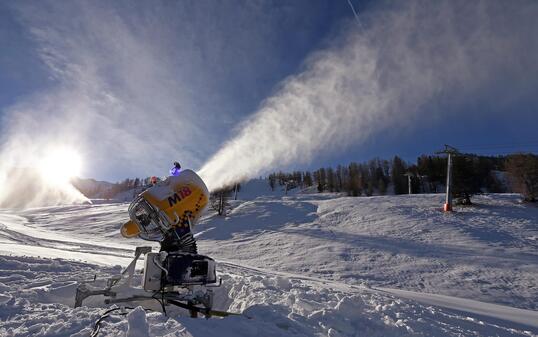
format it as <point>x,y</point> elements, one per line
<point>298,265</point>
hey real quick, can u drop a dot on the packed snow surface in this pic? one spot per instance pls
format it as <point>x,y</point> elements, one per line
<point>294,265</point>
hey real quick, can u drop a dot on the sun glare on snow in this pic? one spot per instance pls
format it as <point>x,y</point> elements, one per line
<point>60,165</point>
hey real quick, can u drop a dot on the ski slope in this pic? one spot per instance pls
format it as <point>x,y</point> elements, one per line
<point>298,265</point>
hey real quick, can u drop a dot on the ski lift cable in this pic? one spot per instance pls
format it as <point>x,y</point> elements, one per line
<point>507,147</point>
<point>501,150</point>
<point>495,146</point>
<point>507,152</point>
<point>485,150</point>
<point>500,147</point>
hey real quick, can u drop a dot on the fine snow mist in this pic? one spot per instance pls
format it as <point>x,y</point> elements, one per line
<point>34,190</point>
<point>123,80</point>
<point>401,63</point>
<point>134,86</point>
<point>31,174</point>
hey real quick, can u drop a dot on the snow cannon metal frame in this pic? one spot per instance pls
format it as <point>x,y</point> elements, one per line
<point>178,275</point>
<point>181,279</point>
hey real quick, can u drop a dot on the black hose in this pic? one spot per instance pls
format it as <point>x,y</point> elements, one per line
<point>106,314</point>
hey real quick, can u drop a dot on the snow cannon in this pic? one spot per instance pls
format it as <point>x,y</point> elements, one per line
<point>176,275</point>
<point>173,205</point>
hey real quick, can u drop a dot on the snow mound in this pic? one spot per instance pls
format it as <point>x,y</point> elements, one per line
<point>137,323</point>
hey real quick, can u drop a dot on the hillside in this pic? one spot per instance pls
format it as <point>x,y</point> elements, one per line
<point>300,265</point>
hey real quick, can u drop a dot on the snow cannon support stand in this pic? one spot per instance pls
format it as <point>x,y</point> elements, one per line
<point>178,275</point>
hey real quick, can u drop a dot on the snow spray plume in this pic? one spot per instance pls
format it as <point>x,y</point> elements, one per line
<point>132,85</point>
<point>117,93</point>
<point>24,180</point>
<point>383,76</point>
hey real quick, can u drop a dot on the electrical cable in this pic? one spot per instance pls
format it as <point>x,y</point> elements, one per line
<point>161,301</point>
<point>106,314</point>
<point>159,265</point>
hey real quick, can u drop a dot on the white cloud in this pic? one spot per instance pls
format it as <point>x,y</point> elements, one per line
<point>121,97</point>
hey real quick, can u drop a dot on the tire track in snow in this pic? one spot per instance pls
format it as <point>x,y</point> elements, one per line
<point>21,239</point>
<point>522,316</point>
<point>505,313</point>
<point>79,247</point>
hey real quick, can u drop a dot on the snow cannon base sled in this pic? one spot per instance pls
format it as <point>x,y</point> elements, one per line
<point>181,279</point>
<point>178,275</point>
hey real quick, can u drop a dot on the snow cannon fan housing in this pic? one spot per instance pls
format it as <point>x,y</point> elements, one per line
<point>176,203</point>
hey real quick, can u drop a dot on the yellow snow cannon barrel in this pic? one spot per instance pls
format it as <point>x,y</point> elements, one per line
<point>176,202</point>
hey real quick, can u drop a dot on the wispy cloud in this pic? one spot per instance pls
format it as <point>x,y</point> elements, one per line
<point>119,92</point>
<point>135,85</point>
<point>122,94</point>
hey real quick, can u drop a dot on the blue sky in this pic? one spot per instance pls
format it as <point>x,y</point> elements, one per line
<point>135,85</point>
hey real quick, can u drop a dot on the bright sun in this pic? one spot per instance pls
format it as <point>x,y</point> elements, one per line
<point>61,164</point>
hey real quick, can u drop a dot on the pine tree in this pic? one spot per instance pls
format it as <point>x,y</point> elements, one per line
<point>382,185</point>
<point>397,176</point>
<point>322,180</point>
<point>219,200</point>
<point>272,181</point>
<point>354,188</point>
<point>339,178</point>
<point>308,179</point>
<point>331,179</point>
<point>523,171</point>
<point>465,180</point>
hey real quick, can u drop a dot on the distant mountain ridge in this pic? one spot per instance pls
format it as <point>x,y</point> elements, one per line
<point>92,188</point>
<point>124,190</point>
